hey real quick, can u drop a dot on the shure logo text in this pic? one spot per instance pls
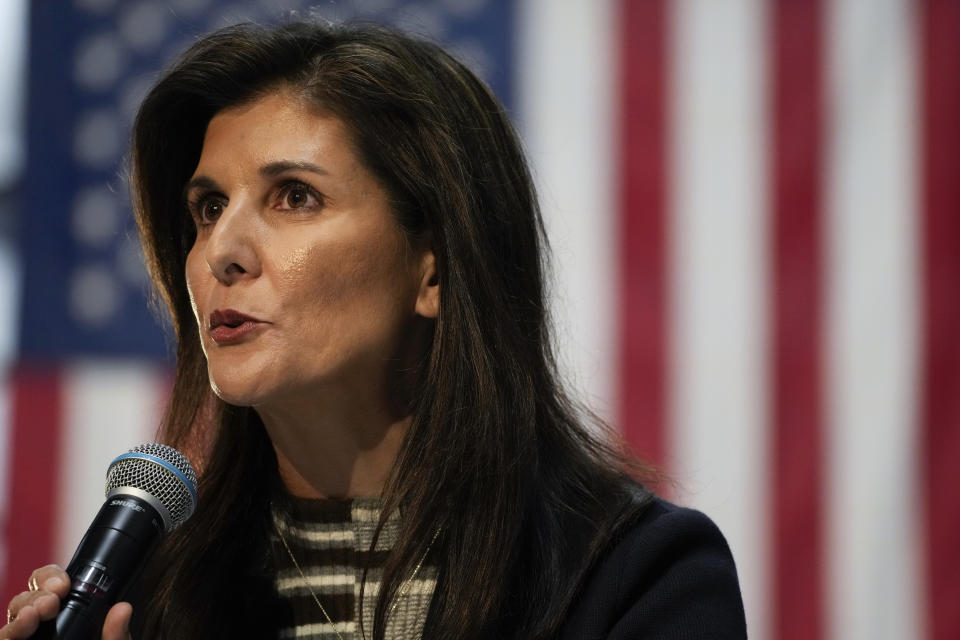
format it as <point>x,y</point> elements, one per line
<point>130,504</point>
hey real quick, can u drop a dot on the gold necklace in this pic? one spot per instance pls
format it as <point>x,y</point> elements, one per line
<point>400,593</point>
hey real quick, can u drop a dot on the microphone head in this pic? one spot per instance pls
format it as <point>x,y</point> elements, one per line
<point>159,474</point>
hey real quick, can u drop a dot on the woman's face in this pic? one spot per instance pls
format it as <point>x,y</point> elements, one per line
<point>300,278</point>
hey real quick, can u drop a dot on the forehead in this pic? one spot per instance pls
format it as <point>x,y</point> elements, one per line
<point>278,124</point>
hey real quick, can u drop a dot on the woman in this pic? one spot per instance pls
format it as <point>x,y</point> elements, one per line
<point>343,227</point>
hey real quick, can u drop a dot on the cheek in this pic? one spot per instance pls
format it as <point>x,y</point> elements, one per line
<point>190,267</point>
<point>321,273</point>
<point>195,280</point>
<point>349,294</point>
<point>298,263</point>
<point>309,276</point>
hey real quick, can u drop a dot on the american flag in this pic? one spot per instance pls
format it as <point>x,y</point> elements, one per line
<point>754,207</point>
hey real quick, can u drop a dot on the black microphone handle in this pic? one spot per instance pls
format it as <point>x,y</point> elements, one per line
<point>113,550</point>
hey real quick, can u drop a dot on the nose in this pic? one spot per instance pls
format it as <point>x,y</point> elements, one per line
<point>232,251</point>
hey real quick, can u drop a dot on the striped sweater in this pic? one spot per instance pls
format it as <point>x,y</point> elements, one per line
<point>330,540</point>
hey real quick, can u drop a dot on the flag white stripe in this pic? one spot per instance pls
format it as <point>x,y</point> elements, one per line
<point>567,116</point>
<point>10,275</point>
<point>109,407</point>
<point>719,272</point>
<point>873,577</point>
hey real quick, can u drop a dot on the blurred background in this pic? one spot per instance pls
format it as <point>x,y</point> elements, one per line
<point>754,207</point>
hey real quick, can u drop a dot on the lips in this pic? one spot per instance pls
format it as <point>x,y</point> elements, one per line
<point>229,326</point>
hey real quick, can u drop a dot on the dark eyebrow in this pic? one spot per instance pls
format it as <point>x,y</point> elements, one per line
<point>270,170</point>
<point>282,166</point>
<point>199,182</point>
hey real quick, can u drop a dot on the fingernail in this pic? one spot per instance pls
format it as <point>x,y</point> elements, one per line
<point>52,584</point>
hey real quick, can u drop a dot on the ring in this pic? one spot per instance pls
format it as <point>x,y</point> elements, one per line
<point>32,584</point>
<point>10,617</point>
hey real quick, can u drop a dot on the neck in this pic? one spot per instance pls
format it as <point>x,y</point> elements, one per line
<point>324,456</point>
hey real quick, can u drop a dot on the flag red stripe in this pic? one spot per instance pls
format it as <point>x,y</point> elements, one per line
<point>33,479</point>
<point>940,401</point>
<point>642,162</point>
<point>797,291</point>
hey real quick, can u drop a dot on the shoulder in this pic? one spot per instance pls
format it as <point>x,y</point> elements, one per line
<point>668,574</point>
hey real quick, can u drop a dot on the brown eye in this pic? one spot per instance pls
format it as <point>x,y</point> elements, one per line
<point>207,209</point>
<point>297,195</point>
<point>212,209</point>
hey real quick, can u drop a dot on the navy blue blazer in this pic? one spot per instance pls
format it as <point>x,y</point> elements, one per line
<point>668,576</point>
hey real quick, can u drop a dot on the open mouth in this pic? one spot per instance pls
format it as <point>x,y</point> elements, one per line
<point>228,318</point>
<point>228,325</point>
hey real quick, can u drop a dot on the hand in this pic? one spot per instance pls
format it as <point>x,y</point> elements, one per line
<point>47,586</point>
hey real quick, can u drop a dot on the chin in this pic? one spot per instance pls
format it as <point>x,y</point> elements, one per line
<point>234,398</point>
<point>241,393</point>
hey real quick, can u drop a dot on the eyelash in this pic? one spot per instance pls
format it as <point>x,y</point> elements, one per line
<point>199,206</point>
<point>295,185</point>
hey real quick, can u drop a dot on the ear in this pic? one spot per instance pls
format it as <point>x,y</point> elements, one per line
<point>428,296</point>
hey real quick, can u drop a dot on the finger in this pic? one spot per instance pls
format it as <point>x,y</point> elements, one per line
<point>116,626</point>
<point>25,612</point>
<point>42,602</point>
<point>50,578</point>
<point>46,603</point>
<point>22,624</point>
<point>21,600</point>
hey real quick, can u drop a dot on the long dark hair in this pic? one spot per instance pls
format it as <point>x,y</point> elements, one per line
<point>526,490</point>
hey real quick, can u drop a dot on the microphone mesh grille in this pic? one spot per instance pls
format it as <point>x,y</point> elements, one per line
<point>161,483</point>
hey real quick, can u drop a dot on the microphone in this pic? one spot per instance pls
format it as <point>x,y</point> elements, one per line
<point>151,490</point>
